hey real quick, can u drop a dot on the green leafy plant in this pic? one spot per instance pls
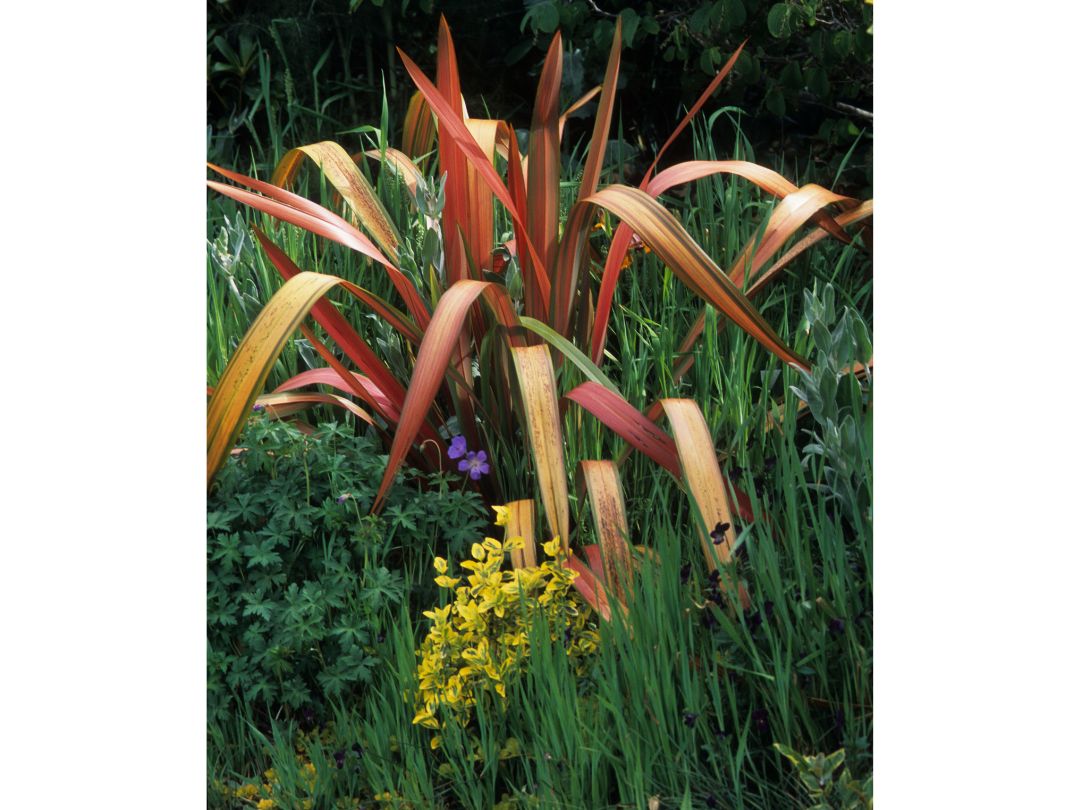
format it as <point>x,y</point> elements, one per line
<point>299,578</point>
<point>827,783</point>
<point>840,402</point>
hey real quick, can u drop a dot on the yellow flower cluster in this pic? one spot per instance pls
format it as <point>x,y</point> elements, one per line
<point>479,641</point>
<point>262,795</point>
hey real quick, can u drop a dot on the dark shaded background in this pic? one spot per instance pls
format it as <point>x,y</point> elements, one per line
<point>317,69</point>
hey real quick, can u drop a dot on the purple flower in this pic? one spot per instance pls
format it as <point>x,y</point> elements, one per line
<point>344,496</point>
<point>457,447</point>
<point>258,407</point>
<point>475,464</point>
<point>339,759</point>
<point>718,534</point>
<point>689,719</point>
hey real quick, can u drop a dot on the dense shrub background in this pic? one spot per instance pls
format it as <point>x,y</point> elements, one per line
<point>299,578</point>
<point>311,70</point>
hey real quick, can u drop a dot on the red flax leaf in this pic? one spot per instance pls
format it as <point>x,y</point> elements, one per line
<point>590,176</point>
<point>303,213</point>
<point>342,172</point>
<point>439,343</point>
<point>590,588</point>
<point>862,211</point>
<point>343,373</point>
<point>521,522</point>
<point>399,163</point>
<point>340,330</point>
<point>790,215</point>
<point>626,421</point>
<point>542,216</point>
<point>248,368</point>
<point>330,377</point>
<point>459,133</point>
<point>601,480</point>
<point>677,249</point>
<point>418,132</point>
<point>567,272</point>
<point>793,212</point>
<point>543,423</point>
<point>766,179</point>
<point>719,77</point>
<point>452,162</point>
<point>701,474</point>
<point>278,402</point>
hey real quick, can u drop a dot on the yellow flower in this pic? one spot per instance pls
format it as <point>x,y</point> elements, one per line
<point>479,642</point>
<point>502,515</point>
<point>265,804</point>
<point>552,547</point>
<point>425,718</point>
<point>513,543</point>
<point>439,615</point>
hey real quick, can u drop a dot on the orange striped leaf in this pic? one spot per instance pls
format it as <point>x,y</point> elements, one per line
<point>521,522</point>
<point>857,214</point>
<point>601,480</point>
<point>706,93</point>
<point>418,132</point>
<point>539,396</point>
<point>790,215</point>
<point>399,163</point>
<point>275,404</point>
<point>247,370</point>
<point>344,175</point>
<point>331,378</point>
<point>625,420</point>
<point>436,350</point>
<point>302,212</point>
<point>458,133</point>
<point>340,330</point>
<point>677,249</point>
<point>545,163</point>
<point>704,483</point>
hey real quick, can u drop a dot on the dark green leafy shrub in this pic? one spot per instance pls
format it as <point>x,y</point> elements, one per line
<point>807,70</point>
<point>299,578</point>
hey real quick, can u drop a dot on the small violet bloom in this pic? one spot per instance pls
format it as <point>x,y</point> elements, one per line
<point>475,464</point>
<point>457,447</point>
<point>344,496</point>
